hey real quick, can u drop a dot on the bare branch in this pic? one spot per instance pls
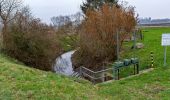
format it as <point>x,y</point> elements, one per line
<point>8,9</point>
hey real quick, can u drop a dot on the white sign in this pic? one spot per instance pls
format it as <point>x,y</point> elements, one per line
<point>166,39</point>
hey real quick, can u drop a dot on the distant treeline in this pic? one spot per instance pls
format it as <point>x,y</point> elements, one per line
<point>157,22</point>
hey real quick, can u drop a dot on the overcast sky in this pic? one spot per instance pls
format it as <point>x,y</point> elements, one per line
<point>45,9</point>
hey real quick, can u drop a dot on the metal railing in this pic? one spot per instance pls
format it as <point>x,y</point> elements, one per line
<point>96,76</point>
<point>106,74</point>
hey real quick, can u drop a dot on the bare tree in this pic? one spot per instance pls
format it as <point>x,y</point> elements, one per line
<point>8,9</point>
<point>58,21</point>
<point>77,21</point>
<point>77,18</point>
<point>61,21</point>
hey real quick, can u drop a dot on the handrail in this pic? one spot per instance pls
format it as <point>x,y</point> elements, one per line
<point>97,71</point>
<point>88,69</point>
<point>104,70</point>
<point>88,75</point>
<point>93,77</point>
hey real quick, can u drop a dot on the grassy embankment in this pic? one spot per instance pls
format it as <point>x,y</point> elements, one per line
<point>18,81</point>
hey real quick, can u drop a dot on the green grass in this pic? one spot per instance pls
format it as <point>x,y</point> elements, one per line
<point>20,82</point>
<point>151,86</point>
<point>154,85</point>
<point>17,81</point>
<point>152,42</point>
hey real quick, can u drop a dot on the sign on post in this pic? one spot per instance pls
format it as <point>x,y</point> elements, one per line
<point>165,43</point>
<point>166,39</point>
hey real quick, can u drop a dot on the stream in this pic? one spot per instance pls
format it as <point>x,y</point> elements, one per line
<point>63,64</point>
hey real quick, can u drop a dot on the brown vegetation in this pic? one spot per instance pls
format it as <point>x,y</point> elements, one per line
<point>98,36</point>
<point>32,41</point>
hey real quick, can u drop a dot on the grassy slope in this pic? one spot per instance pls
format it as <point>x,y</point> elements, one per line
<point>19,82</point>
<point>153,85</point>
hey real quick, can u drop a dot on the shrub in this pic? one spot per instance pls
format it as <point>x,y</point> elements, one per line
<point>33,42</point>
<point>98,35</point>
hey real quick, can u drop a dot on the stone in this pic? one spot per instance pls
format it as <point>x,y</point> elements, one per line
<point>139,45</point>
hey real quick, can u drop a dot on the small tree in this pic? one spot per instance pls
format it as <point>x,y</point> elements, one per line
<point>61,21</point>
<point>8,9</point>
<point>98,36</point>
<point>96,4</point>
<point>32,41</point>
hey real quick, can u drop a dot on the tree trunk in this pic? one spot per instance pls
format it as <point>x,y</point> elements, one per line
<point>4,35</point>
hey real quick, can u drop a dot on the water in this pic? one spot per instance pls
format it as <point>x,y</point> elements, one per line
<point>63,64</point>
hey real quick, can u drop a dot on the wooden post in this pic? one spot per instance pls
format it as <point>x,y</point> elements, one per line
<point>134,69</point>
<point>81,74</point>
<point>137,65</point>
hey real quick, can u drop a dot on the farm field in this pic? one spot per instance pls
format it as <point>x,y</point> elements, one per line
<point>152,43</point>
<point>17,81</point>
<point>153,85</point>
